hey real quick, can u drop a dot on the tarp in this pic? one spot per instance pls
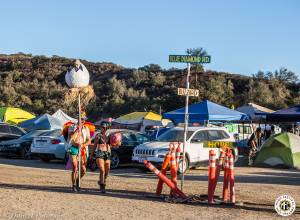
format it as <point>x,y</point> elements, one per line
<point>63,117</point>
<point>138,120</point>
<point>291,114</point>
<point>14,115</point>
<point>254,111</point>
<point>28,124</point>
<point>281,149</point>
<point>205,111</point>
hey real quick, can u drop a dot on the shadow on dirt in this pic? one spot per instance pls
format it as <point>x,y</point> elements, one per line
<point>137,195</point>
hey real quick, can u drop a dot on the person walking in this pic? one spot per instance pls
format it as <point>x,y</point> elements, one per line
<point>253,144</point>
<point>79,140</point>
<point>102,151</point>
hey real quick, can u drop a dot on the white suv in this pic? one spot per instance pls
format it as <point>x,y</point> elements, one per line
<point>155,151</point>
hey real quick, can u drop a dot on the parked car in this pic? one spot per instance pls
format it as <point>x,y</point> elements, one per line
<point>20,146</point>
<point>9,132</point>
<point>155,151</point>
<point>122,154</point>
<point>50,145</point>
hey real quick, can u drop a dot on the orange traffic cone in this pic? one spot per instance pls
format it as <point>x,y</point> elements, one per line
<point>211,175</point>
<point>226,179</point>
<point>178,151</point>
<point>219,166</point>
<point>163,171</point>
<point>231,178</point>
<point>161,176</point>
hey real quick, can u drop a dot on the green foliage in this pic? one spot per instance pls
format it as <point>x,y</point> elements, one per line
<point>37,84</point>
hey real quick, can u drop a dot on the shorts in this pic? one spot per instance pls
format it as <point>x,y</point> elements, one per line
<point>104,155</point>
<point>74,151</point>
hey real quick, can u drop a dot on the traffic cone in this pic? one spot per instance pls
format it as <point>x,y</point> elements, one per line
<point>178,151</point>
<point>219,166</point>
<point>173,168</point>
<point>161,176</point>
<point>231,178</point>
<point>211,175</point>
<point>226,179</point>
<point>163,171</point>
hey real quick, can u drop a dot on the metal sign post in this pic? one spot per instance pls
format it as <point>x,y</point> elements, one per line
<point>187,92</point>
<point>79,126</point>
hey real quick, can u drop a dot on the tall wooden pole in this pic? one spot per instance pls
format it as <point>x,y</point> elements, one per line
<point>79,126</point>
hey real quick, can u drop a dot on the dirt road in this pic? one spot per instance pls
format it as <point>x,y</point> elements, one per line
<point>35,190</point>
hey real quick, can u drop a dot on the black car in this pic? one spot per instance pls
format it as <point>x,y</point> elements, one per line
<point>9,132</point>
<point>20,146</point>
<point>123,154</point>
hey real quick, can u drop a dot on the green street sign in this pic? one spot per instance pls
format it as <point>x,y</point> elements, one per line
<point>218,144</point>
<point>188,59</point>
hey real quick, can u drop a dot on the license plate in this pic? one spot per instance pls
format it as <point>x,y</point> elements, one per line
<point>141,159</point>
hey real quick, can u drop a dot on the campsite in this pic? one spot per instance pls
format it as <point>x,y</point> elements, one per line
<point>149,110</point>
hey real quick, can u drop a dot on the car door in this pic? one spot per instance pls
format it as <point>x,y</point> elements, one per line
<point>128,144</point>
<point>215,135</point>
<point>197,152</point>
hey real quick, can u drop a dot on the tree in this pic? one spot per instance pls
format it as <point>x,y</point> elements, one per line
<point>197,67</point>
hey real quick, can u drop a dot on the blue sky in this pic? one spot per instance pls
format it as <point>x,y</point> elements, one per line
<point>242,36</point>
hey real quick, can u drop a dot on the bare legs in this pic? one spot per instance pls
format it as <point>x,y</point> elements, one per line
<point>74,175</point>
<point>104,167</point>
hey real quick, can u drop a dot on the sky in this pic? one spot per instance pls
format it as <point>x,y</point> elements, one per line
<point>242,36</point>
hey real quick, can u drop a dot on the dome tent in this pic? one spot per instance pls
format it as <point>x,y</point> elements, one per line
<point>280,150</point>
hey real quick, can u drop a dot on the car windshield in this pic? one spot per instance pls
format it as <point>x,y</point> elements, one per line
<point>54,133</point>
<point>32,134</point>
<point>173,136</point>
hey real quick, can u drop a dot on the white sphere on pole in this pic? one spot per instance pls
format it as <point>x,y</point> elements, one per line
<point>78,76</point>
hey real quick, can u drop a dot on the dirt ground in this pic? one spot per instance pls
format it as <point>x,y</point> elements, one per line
<point>35,190</point>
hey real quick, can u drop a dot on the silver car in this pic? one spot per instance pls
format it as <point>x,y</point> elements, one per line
<point>51,145</point>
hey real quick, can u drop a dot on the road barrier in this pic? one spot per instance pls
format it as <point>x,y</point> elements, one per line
<point>211,175</point>
<point>164,168</point>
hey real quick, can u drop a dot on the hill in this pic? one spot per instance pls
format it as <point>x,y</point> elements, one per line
<point>36,83</point>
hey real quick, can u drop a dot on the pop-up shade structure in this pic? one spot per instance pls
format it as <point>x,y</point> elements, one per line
<point>14,115</point>
<point>254,112</point>
<point>281,149</point>
<point>63,117</point>
<point>291,114</point>
<point>138,120</point>
<point>205,111</point>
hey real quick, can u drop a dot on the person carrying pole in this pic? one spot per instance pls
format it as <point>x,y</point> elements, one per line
<point>102,151</point>
<point>79,140</point>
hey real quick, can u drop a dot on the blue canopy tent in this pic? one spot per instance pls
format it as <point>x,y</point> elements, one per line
<point>205,111</point>
<point>291,114</point>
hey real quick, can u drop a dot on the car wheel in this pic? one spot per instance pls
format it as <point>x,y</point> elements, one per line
<point>115,160</point>
<point>185,165</point>
<point>45,158</point>
<point>26,152</point>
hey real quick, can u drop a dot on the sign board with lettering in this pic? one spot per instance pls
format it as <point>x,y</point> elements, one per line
<point>189,59</point>
<point>189,92</point>
<point>218,144</point>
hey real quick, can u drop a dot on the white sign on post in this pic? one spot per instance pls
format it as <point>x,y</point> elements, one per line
<point>189,92</point>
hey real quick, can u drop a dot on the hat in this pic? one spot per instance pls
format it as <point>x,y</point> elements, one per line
<point>83,115</point>
<point>105,124</point>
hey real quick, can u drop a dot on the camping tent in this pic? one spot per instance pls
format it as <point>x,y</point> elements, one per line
<point>281,149</point>
<point>291,114</point>
<point>63,117</point>
<point>47,122</point>
<point>254,111</point>
<point>14,115</point>
<point>138,120</point>
<point>205,111</point>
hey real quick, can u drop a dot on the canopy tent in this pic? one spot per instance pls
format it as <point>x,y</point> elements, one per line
<point>281,149</point>
<point>205,111</point>
<point>14,115</point>
<point>47,122</point>
<point>291,114</point>
<point>63,117</point>
<point>138,120</point>
<point>255,112</point>
<point>28,124</point>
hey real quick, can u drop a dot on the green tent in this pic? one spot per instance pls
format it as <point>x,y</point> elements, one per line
<point>280,150</point>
